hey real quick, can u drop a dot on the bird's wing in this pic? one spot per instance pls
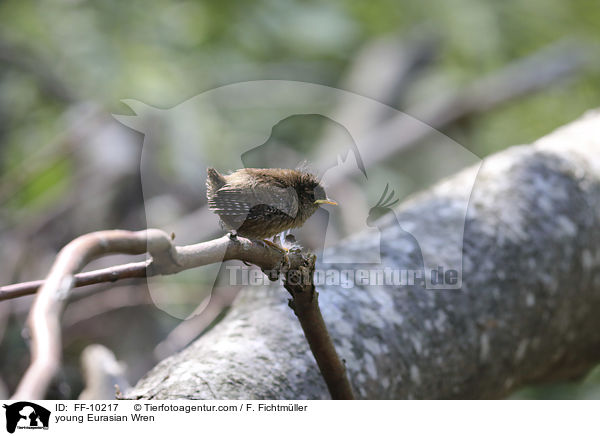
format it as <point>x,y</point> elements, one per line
<point>239,204</point>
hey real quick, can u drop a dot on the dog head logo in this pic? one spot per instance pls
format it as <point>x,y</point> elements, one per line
<point>26,415</point>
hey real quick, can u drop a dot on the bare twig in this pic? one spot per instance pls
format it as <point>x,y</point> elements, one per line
<point>299,283</point>
<point>44,316</point>
<point>166,258</point>
<point>184,257</point>
<point>111,274</point>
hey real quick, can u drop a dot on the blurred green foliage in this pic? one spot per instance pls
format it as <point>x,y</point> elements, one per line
<point>163,52</point>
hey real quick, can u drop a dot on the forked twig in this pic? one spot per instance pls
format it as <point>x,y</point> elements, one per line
<point>166,258</point>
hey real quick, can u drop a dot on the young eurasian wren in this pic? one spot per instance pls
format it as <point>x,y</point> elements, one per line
<point>259,203</point>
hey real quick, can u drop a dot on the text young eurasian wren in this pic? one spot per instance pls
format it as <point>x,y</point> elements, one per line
<point>259,203</point>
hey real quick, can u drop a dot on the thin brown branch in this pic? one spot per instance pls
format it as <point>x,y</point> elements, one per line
<point>166,258</point>
<point>44,318</point>
<point>44,315</point>
<point>190,256</point>
<point>299,283</point>
<point>111,274</point>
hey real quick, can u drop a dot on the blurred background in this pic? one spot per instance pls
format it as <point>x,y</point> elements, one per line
<point>486,74</point>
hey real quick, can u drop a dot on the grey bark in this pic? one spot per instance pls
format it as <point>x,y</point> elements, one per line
<point>528,310</point>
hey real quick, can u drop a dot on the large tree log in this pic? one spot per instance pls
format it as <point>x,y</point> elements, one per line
<point>528,310</point>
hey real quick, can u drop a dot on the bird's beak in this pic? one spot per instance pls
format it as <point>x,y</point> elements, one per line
<point>326,201</point>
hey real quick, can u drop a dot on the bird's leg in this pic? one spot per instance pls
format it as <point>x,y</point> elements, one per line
<point>283,238</point>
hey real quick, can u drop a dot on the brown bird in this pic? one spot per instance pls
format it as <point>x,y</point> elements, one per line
<point>259,203</point>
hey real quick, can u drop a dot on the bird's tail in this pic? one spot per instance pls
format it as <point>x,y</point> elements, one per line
<point>214,181</point>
